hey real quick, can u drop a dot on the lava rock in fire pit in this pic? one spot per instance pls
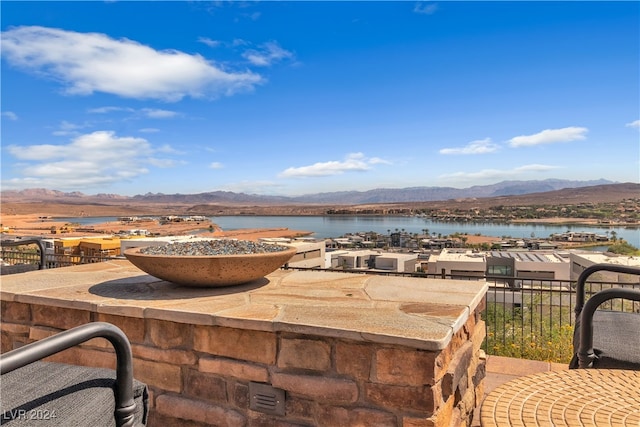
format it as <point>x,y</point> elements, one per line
<point>212,247</point>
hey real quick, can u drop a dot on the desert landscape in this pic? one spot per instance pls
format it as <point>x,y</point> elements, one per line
<point>35,212</point>
<point>35,225</point>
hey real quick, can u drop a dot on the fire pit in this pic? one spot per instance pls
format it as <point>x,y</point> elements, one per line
<point>210,263</point>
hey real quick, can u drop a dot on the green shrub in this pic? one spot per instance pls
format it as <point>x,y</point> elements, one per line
<point>526,333</point>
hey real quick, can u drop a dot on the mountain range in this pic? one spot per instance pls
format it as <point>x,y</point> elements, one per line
<point>381,195</point>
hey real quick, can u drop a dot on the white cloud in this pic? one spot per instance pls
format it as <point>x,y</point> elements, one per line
<point>95,159</point>
<point>550,136</point>
<point>148,130</point>
<point>378,161</point>
<point>354,162</point>
<point>68,129</point>
<point>158,114</point>
<point>166,148</point>
<point>481,146</point>
<point>10,115</point>
<point>239,42</point>
<point>535,168</point>
<point>209,42</point>
<point>635,124</point>
<point>496,174</point>
<point>91,62</point>
<point>267,54</point>
<point>216,165</point>
<point>425,8</point>
<point>152,113</point>
<point>106,110</point>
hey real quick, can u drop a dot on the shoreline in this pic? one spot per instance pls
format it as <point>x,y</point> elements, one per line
<point>574,221</point>
<point>40,225</point>
<point>36,225</point>
<point>556,221</point>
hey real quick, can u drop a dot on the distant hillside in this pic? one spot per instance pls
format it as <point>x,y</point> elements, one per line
<point>608,193</point>
<point>210,197</point>
<point>382,195</point>
<point>430,194</point>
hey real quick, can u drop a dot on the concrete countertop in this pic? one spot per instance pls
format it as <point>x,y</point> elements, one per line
<point>416,312</point>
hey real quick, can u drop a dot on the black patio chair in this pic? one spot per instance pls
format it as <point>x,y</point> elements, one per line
<point>606,338</point>
<point>38,393</point>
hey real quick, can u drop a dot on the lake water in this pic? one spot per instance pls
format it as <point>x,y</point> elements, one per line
<point>339,225</point>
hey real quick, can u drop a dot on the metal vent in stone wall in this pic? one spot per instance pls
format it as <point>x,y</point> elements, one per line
<point>266,398</point>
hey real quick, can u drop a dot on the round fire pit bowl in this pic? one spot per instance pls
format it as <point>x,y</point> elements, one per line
<point>197,264</point>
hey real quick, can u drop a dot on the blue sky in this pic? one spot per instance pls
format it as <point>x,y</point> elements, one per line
<point>292,98</point>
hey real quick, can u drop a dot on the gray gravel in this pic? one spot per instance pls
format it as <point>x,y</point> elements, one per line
<point>212,247</point>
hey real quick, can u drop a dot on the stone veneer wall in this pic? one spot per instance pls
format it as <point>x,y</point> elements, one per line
<point>199,375</point>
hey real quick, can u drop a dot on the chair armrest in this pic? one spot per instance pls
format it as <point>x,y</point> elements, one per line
<point>125,405</point>
<point>582,280</point>
<point>586,354</point>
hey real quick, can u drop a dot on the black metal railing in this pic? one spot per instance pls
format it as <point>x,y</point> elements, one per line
<point>20,256</point>
<point>525,318</point>
<point>529,318</point>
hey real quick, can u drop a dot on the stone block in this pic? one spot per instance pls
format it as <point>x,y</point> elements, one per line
<point>356,417</point>
<point>174,357</point>
<point>417,422</point>
<point>152,398</point>
<point>467,403</point>
<point>304,354</point>
<point>254,346</point>
<point>204,386</point>
<point>85,357</point>
<point>259,419</point>
<point>59,317</point>
<point>132,327</point>
<point>37,333</point>
<point>478,336</point>
<point>192,410</point>
<point>160,420</point>
<point>298,407</point>
<point>15,328</point>
<point>231,368</point>
<point>459,338</point>
<point>324,389</point>
<point>11,335</point>
<point>405,367</point>
<point>165,334</point>
<point>15,312</point>
<point>240,395</point>
<point>354,360</point>
<point>447,416</point>
<point>456,376</point>
<point>6,342</point>
<point>157,374</point>
<point>419,399</point>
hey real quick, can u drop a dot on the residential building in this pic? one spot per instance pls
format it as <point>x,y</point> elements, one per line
<point>362,259</point>
<point>100,247</point>
<point>518,264</point>
<point>396,262</point>
<point>580,260</point>
<point>309,253</point>
<point>457,262</point>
